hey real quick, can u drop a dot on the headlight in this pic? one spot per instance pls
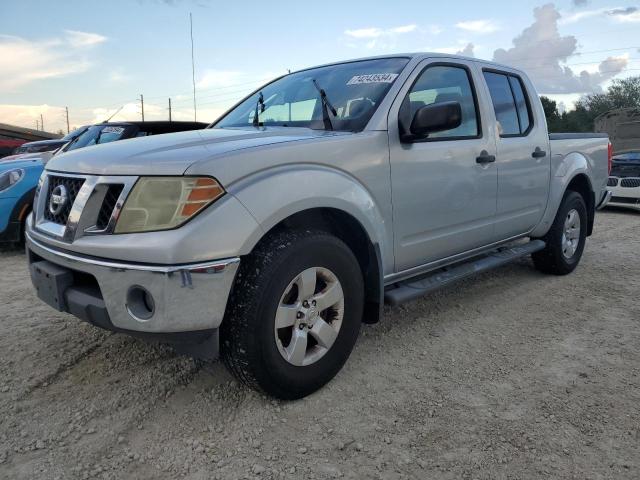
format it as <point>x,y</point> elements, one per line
<point>10,178</point>
<point>162,203</point>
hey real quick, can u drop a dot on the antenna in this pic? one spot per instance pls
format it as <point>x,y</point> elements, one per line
<point>193,69</point>
<point>117,111</point>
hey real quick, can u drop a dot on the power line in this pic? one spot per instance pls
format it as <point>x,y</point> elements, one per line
<point>573,54</point>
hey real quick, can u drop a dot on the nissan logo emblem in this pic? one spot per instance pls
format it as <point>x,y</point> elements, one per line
<point>58,200</point>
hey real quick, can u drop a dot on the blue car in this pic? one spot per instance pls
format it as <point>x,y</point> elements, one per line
<point>19,177</point>
<point>18,181</point>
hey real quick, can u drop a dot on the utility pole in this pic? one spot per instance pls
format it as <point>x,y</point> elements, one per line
<point>142,105</point>
<point>169,109</point>
<point>41,123</point>
<point>66,109</point>
<point>193,69</point>
<point>37,124</point>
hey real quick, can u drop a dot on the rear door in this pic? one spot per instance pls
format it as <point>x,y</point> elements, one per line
<point>523,158</point>
<point>443,190</point>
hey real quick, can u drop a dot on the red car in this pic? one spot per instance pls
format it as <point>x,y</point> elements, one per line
<point>7,146</point>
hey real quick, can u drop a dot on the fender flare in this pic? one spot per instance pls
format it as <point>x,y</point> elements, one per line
<point>295,188</point>
<point>568,169</point>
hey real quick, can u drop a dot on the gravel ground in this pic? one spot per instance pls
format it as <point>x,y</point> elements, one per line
<point>511,374</point>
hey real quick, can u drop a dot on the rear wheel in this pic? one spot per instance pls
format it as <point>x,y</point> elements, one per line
<point>566,237</point>
<point>294,313</point>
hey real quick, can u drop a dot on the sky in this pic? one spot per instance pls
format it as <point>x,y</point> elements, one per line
<point>96,57</point>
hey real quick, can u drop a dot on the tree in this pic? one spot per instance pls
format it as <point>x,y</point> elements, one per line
<point>551,112</point>
<point>621,94</point>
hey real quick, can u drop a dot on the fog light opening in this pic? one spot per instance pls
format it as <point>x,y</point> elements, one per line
<point>140,303</point>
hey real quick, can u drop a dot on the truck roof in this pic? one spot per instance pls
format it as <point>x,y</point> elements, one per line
<point>419,56</point>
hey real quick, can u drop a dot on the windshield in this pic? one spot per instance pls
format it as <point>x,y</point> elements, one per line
<point>354,90</point>
<point>96,135</point>
<point>47,147</point>
<point>74,134</point>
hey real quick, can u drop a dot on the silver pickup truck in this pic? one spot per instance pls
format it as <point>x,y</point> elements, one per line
<point>272,235</point>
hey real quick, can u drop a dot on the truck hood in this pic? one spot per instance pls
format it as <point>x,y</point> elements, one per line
<point>174,153</point>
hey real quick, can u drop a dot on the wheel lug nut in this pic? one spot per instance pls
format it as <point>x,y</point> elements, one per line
<point>313,303</point>
<point>301,326</point>
<point>305,304</point>
<point>299,315</point>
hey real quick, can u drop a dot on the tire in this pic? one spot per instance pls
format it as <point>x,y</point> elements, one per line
<point>558,257</point>
<point>269,282</point>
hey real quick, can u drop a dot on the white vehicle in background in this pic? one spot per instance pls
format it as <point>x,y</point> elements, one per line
<point>624,180</point>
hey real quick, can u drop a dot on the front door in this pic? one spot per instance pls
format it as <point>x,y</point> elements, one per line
<point>443,186</point>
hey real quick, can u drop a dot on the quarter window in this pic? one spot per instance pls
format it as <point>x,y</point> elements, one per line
<point>443,83</point>
<point>509,103</point>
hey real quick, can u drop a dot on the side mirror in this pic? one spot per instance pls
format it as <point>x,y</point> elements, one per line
<point>436,117</point>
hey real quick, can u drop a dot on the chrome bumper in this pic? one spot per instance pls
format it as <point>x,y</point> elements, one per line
<point>185,297</point>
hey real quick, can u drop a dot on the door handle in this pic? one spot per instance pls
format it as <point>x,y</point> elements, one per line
<point>485,158</point>
<point>539,153</point>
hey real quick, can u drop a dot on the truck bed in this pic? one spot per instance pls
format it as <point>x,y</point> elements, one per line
<point>592,147</point>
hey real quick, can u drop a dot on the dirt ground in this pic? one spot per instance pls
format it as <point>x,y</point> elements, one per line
<point>512,374</point>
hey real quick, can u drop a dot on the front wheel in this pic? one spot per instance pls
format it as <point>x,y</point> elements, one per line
<point>566,237</point>
<point>294,314</point>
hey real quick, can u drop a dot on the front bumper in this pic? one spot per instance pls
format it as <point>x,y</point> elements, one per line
<point>184,298</point>
<point>606,198</point>
<point>625,194</point>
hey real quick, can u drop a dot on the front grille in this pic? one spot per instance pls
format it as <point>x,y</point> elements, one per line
<point>630,182</point>
<point>612,182</point>
<point>72,186</point>
<point>108,205</point>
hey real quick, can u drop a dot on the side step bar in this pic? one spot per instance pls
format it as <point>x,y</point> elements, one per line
<point>414,288</point>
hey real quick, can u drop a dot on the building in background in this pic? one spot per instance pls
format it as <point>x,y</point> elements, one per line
<point>623,127</point>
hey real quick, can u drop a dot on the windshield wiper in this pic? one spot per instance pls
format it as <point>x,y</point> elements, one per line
<point>259,105</point>
<point>326,107</point>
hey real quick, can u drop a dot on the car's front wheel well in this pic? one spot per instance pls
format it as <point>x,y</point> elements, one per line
<point>348,229</point>
<point>581,185</point>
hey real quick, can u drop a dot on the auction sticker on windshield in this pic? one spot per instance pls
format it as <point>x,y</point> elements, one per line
<point>117,130</point>
<point>373,78</point>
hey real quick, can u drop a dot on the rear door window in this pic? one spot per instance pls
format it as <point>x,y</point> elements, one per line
<point>509,103</point>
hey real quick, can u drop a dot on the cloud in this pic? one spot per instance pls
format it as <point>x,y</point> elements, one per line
<point>26,61</point>
<point>478,26</point>
<point>26,115</point>
<point>623,15</point>
<point>540,50</point>
<point>378,37</point>
<point>218,78</point>
<point>629,14</point>
<point>117,76</point>
<point>374,32</point>
<point>463,48</point>
<point>83,39</point>
<point>434,29</point>
<point>567,18</point>
<point>467,51</point>
<point>580,3</point>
